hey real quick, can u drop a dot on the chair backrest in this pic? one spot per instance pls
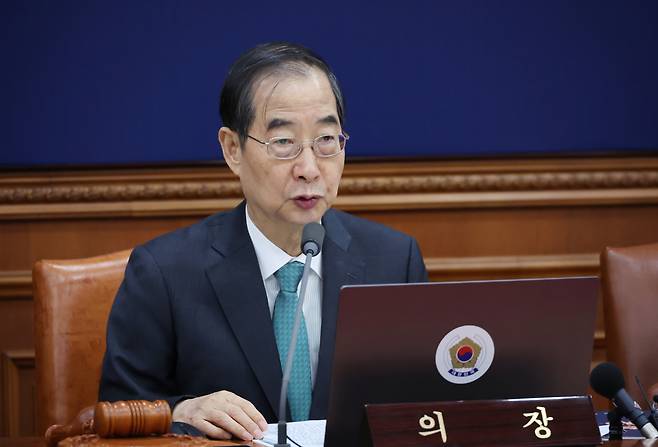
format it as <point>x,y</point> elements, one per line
<point>72,302</point>
<point>629,279</point>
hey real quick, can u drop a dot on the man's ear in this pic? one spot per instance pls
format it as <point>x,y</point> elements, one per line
<point>230,142</point>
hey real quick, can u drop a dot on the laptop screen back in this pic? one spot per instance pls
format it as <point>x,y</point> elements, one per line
<point>458,341</point>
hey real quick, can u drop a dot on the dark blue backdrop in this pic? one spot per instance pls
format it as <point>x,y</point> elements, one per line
<point>137,81</point>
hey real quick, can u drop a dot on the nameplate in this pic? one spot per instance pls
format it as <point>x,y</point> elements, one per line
<point>554,421</point>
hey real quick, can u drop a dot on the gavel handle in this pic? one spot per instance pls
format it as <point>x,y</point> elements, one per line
<point>82,424</point>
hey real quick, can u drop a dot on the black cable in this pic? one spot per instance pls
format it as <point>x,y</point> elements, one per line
<point>291,440</point>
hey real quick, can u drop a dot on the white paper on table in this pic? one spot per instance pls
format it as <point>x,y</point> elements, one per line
<point>304,433</point>
<point>604,429</point>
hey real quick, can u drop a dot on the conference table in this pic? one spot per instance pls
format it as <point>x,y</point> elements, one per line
<point>40,442</point>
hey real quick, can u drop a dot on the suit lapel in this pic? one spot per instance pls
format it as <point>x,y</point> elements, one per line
<point>339,268</point>
<point>236,280</point>
<point>237,283</point>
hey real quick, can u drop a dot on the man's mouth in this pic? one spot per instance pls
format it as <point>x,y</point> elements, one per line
<point>306,202</point>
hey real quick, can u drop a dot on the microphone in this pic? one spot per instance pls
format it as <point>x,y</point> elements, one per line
<point>312,238</point>
<point>607,380</point>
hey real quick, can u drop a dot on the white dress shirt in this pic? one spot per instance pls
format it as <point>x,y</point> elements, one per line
<point>270,259</point>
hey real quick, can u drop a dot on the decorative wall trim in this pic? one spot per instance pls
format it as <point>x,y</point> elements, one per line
<point>512,266</point>
<point>205,189</point>
<point>138,190</point>
<point>11,363</point>
<point>499,182</point>
<point>142,190</point>
<point>15,285</point>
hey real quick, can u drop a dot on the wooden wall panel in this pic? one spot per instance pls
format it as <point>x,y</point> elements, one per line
<point>17,378</point>
<point>473,219</point>
<point>72,238</point>
<point>464,233</point>
<point>16,354</point>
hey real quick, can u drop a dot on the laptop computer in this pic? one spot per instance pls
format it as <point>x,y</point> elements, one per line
<point>458,341</point>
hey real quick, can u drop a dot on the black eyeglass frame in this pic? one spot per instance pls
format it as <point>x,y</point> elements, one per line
<point>301,144</point>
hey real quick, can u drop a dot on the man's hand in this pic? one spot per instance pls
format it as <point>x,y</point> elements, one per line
<point>222,415</point>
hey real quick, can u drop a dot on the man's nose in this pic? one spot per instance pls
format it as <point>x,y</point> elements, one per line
<point>306,165</point>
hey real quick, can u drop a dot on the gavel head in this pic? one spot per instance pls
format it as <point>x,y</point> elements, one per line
<point>131,418</point>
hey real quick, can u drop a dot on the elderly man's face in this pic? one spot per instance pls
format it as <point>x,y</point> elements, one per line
<point>283,195</point>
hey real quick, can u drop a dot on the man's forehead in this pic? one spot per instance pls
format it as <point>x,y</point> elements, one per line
<point>278,94</point>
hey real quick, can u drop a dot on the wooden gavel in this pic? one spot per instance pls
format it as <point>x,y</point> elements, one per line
<point>115,419</point>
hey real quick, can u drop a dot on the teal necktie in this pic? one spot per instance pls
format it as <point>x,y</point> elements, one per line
<point>299,388</point>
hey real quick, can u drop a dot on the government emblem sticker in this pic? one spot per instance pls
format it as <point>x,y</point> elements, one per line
<point>464,354</point>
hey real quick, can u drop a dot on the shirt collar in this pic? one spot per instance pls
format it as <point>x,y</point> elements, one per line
<point>270,257</point>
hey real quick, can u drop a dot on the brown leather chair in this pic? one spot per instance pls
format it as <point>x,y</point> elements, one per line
<point>629,279</point>
<point>72,301</point>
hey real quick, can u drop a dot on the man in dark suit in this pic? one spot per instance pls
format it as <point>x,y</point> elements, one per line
<point>201,318</point>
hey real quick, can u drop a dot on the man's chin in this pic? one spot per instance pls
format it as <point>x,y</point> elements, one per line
<point>304,216</point>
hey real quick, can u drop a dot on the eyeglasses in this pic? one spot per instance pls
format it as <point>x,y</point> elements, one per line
<point>324,146</point>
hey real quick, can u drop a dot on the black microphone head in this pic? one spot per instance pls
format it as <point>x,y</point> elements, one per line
<point>606,379</point>
<point>312,238</point>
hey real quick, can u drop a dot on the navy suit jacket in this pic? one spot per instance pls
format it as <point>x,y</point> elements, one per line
<point>191,316</point>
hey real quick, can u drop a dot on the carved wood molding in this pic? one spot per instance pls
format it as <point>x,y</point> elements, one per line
<point>137,190</point>
<point>15,285</point>
<point>490,267</point>
<point>11,364</point>
<point>365,186</point>
<point>395,184</point>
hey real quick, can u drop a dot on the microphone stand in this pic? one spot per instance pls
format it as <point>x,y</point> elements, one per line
<point>282,429</point>
<point>616,426</point>
<point>653,416</point>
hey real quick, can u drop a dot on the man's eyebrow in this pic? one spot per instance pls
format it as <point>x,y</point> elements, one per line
<point>277,122</point>
<point>329,119</point>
